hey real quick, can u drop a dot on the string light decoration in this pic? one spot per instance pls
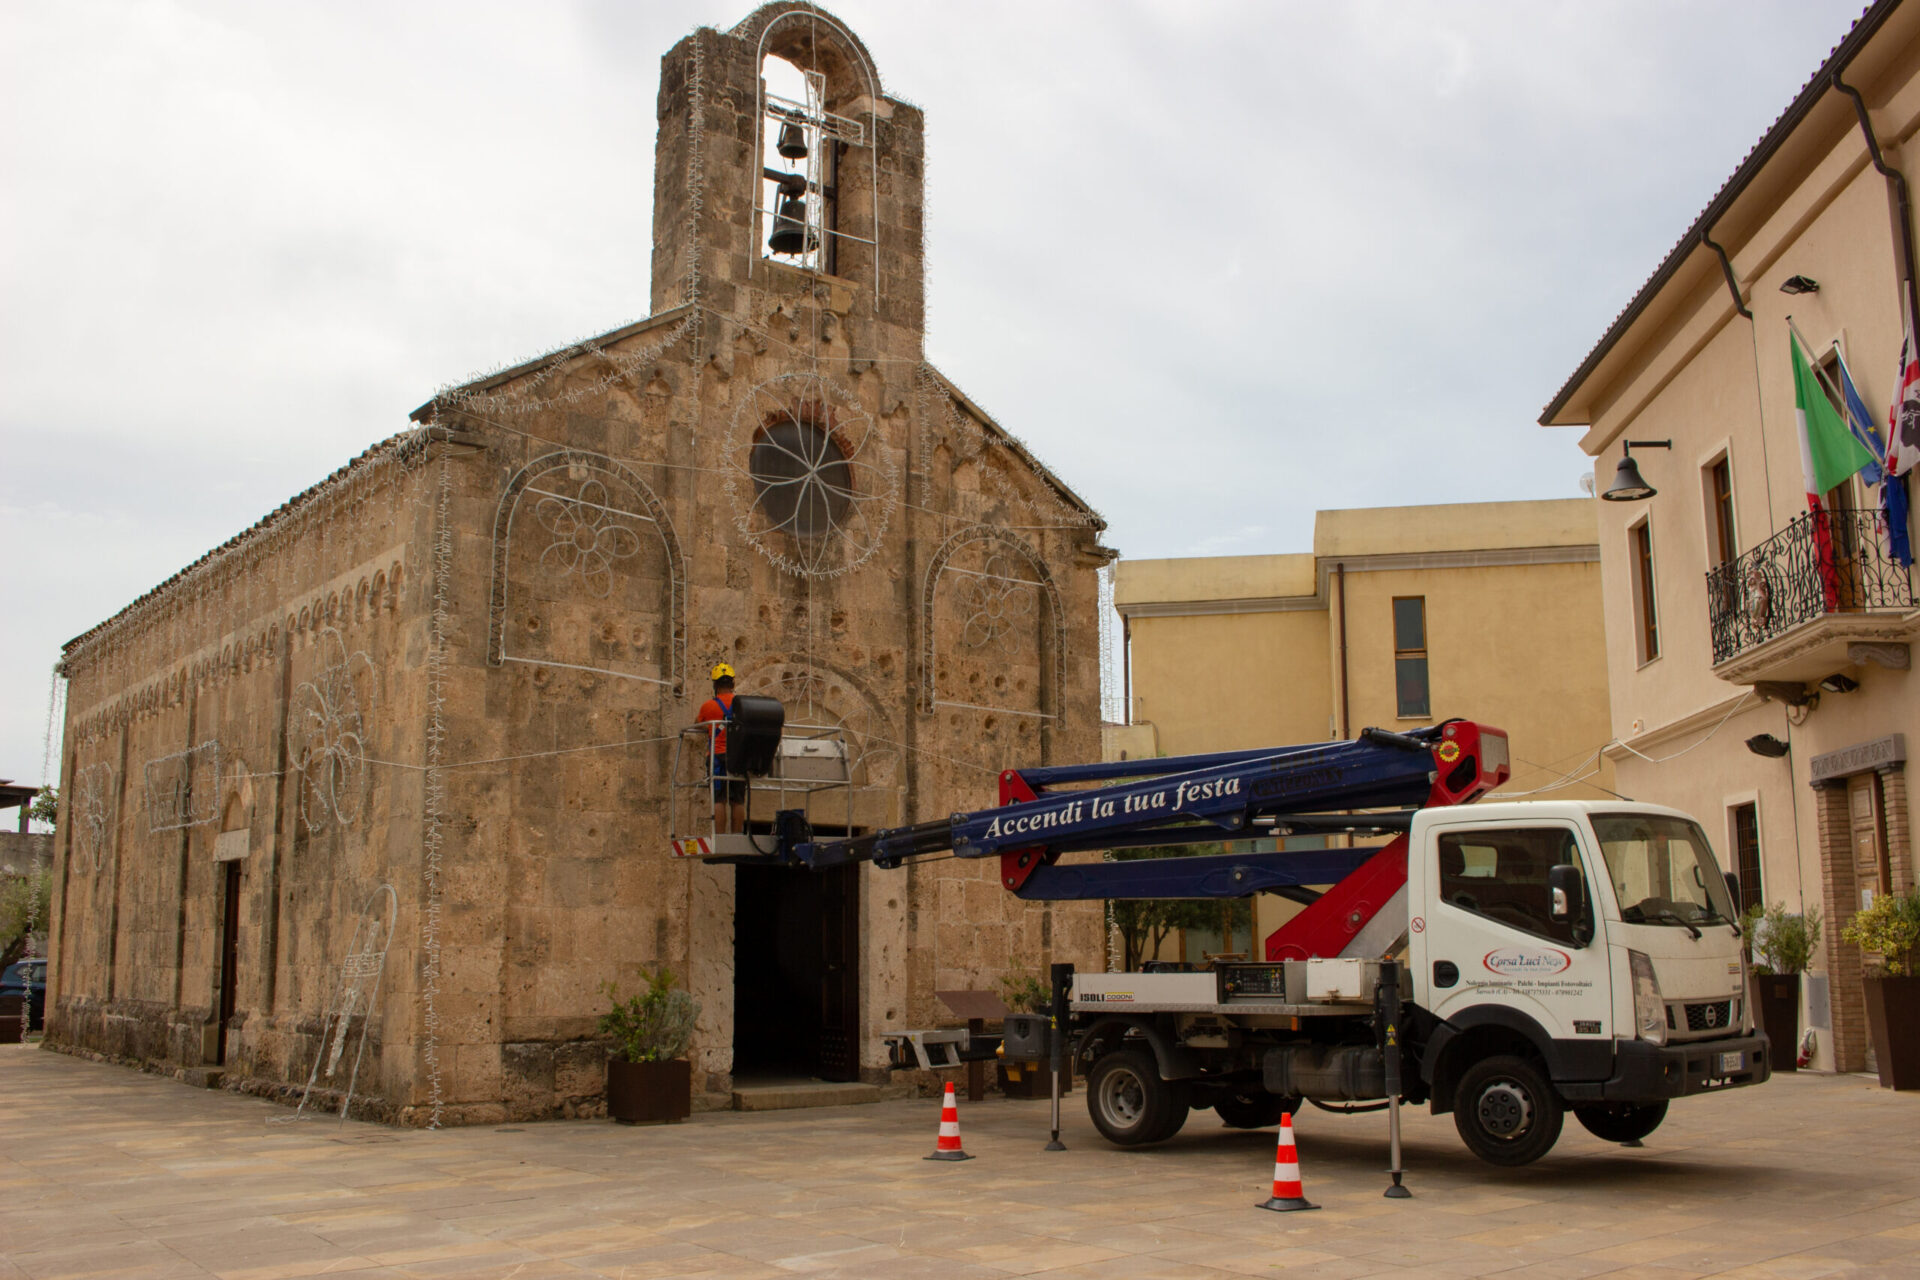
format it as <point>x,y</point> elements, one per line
<point>183,788</point>
<point>598,515</point>
<point>809,476</point>
<point>589,536</point>
<point>325,720</point>
<point>994,600</point>
<point>91,810</point>
<point>355,994</point>
<point>997,456</point>
<point>981,543</point>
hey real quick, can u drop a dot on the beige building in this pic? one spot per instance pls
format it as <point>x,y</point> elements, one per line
<point>1772,701</point>
<point>385,783</point>
<point>1398,618</point>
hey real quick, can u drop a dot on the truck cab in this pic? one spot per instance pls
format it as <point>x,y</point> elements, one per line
<point>1596,944</point>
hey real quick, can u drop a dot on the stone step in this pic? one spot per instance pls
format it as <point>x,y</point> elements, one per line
<point>784,1095</point>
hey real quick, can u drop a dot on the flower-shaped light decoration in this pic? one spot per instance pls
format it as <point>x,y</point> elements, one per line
<point>92,807</point>
<point>809,475</point>
<point>994,600</point>
<point>326,724</point>
<point>589,535</point>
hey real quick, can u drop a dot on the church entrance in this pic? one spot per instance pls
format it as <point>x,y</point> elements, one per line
<point>796,972</point>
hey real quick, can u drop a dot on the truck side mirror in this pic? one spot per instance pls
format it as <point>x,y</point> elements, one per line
<point>1733,891</point>
<point>1567,890</point>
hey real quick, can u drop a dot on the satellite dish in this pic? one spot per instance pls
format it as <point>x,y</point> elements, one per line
<point>1586,483</point>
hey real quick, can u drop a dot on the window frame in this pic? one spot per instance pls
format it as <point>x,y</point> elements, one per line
<point>1579,931</point>
<point>1644,584</point>
<point>1421,654</point>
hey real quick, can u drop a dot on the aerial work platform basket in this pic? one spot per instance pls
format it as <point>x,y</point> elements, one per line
<point>803,767</point>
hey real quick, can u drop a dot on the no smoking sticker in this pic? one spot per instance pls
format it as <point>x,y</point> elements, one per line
<point>1419,924</point>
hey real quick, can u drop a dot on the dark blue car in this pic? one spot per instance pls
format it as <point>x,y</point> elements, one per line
<point>27,977</point>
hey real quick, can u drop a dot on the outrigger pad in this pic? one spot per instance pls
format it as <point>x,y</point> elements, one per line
<point>753,735</point>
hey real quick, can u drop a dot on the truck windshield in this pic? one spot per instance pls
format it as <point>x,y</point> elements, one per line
<point>1663,870</point>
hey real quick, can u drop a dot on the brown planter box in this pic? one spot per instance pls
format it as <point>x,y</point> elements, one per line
<point>9,1019</point>
<point>1776,1007</point>
<point>1036,1080</point>
<point>649,1092</point>
<point>1893,1016</point>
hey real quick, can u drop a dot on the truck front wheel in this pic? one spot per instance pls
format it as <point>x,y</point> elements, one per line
<point>1621,1121</point>
<point>1130,1104</point>
<point>1506,1111</point>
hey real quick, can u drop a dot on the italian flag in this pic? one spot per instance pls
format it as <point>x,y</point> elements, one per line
<point>1829,452</point>
<point>1828,455</point>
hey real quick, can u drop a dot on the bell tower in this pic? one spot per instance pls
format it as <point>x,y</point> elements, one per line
<point>781,166</point>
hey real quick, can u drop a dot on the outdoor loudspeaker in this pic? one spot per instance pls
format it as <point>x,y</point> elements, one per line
<point>753,735</point>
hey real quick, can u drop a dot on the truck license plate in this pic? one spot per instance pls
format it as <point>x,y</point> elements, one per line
<point>1728,1063</point>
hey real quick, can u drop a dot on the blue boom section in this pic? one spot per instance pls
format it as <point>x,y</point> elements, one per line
<point>1183,800</point>
<point>1232,875</point>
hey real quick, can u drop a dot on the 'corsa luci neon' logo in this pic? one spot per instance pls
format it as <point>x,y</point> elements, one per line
<point>1512,962</point>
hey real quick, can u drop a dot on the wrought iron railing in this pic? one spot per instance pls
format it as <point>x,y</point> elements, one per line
<point>1822,563</point>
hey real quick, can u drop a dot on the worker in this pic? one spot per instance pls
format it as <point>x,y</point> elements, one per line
<point>729,793</point>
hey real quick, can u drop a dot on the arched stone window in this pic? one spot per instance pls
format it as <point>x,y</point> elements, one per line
<point>818,205</point>
<point>587,573</point>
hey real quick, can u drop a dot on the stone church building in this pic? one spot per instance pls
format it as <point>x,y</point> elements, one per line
<point>377,795</point>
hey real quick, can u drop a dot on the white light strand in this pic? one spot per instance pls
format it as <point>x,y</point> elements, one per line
<point>434,800</point>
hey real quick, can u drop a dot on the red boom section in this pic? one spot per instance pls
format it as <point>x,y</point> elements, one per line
<point>1469,761</point>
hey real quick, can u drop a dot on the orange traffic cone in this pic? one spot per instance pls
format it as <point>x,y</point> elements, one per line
<point>948,1145</point>
<point>1288,1195</point>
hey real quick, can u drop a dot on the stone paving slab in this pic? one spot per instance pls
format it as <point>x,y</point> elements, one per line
<point>107,1172</point>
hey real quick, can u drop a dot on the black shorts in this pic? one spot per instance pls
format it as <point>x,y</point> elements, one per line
<point>731,790</point>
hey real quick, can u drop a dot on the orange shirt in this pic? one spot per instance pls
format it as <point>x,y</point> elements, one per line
<point>716,708</point>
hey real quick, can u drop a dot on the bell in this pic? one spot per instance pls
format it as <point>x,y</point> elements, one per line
<point>790,228</point>
<point>793,141</point>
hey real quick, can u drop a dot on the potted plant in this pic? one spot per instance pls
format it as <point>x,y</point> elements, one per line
<point>1891,928</point>
<point>648,1079</point>
<point>1028,995</point>
<point>1782,945</point>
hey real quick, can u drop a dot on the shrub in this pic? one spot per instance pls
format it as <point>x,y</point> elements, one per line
<point>1024,993</point>
<point>1782,941</point>
<point>652,1025</point>
<point>1891,926</point>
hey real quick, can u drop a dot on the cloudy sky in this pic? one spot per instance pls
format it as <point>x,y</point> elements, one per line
<point>1219,264</point>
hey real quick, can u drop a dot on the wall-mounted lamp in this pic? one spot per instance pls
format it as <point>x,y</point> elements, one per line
<point>1627,484</point>
<point>1838,683</point>
<point>1799,284</point>
<point>1765,744</point>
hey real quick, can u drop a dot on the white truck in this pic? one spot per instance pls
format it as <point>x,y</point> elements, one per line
<point>1557,955</point>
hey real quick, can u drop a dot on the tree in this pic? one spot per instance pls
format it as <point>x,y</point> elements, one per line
<point>1145,923</point>
<point>46,806</point>
<point>23,904</point>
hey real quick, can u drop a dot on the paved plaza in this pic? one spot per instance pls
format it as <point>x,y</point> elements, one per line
<point>107,1172</point>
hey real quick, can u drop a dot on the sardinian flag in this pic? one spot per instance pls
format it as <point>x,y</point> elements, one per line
<point>1903,420</point>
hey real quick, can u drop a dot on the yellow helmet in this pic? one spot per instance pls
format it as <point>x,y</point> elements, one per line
<point>721,671</point>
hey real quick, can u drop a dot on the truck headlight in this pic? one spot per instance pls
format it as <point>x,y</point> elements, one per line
<point>1649,1010</point>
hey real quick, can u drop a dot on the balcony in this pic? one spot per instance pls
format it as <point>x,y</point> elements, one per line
<point>1803,603</point>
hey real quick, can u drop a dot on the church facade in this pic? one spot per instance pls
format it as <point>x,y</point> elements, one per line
<point>377,796</point>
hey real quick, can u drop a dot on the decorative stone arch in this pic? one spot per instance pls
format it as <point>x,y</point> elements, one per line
<point>639,503</point>
<point>846,700</point>
<point>1054,678</point>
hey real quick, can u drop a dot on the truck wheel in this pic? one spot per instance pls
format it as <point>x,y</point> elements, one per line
<point>1130,1104</point>
<point>1252,1108</point>
<point>1506,1111</point>
<point>1621,1121</point>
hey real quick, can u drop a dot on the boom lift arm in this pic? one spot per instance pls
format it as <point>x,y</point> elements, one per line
<point>1048,811</point>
